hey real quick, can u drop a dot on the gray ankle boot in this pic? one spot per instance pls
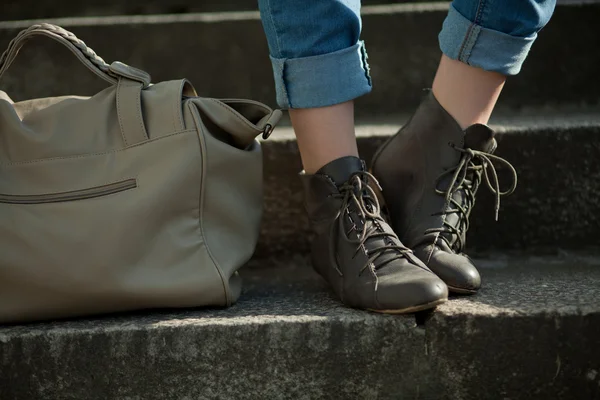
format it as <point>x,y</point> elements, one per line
<point>430,172</point>
<point>356,251</point>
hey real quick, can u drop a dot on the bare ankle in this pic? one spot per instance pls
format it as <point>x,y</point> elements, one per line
<point>324,134</point>
<point>467,93</point>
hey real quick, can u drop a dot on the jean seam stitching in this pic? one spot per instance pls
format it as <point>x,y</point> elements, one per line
<point>470,32</point>
<point>284,85</point>
<point>472,40</point>
<point>464,43</point>
<point>279,54</point>
<point>479,14</point>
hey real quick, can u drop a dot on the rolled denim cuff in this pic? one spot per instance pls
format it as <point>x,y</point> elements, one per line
<point>465,41</point>
<point>322,80</point>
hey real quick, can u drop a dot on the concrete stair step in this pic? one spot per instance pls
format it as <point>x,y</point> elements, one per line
<point>35,9</point>
<point>225,55</point>
<point>555,153</point>
<point>532,333</point>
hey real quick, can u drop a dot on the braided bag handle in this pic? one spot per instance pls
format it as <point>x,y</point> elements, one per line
<point>85,54</point>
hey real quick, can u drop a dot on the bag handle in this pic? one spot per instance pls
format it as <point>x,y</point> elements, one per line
<point>129,81</point>
<point>110,73</point>
<point>86,55</point>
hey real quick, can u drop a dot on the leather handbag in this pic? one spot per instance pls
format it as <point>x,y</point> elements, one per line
<point>141,196</point>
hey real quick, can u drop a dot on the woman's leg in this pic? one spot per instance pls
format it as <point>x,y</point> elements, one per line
<point>468,93</point>
<point>320,67</point>
<point>431,170</point>
<point>324,134</point>
<point>483,42</point>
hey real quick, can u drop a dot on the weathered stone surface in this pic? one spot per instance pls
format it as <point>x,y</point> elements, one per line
<point>35,9</point>
<point>530,334</point>
<point>555,206</point>
<point>226,55</point>
<point>286,339</point>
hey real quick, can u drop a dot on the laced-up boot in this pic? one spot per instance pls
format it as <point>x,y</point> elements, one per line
<point>430,172</point>
<point>356,251</point>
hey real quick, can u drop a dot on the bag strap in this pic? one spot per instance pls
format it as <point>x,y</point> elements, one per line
<point>86,55</point>
<point>130,81</point>
<point>243,131</point>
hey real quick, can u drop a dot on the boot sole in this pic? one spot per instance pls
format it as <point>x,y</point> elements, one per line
<point>461,291</point>
<point>411,310</point>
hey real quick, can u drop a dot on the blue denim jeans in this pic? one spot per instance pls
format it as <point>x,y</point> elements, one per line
<point>318,59</point>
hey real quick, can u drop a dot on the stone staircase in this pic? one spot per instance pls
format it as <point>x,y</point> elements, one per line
<point>532,333</point>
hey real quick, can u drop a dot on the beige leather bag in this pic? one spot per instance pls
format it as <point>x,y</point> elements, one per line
<point>142,196</point>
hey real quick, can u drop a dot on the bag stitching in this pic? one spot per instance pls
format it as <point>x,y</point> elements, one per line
<point>119,113</point>
<point>140,115</point>
<point>202,144</point>
<point>97,154</point>
<point>177,100</point>
<point>240,101</point>
<point>236,114</point>
<point>88,188</point>
<point>177,107</point>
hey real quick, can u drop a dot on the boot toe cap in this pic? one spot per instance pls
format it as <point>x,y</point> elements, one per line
<point>457,270</point>
<point>419,291</point>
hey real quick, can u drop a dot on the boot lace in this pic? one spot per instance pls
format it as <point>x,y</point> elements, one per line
<point>466,178</point>
<point>360,199</point>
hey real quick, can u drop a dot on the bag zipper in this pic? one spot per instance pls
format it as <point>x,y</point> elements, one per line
<point>74,195</point>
